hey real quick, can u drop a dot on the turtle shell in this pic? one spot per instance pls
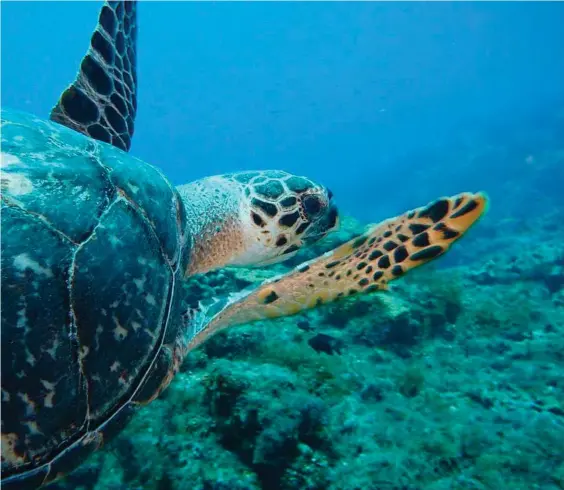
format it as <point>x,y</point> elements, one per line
<point>94,250</point>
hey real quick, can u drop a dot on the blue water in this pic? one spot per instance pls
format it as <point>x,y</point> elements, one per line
<point>454,380</point>
<point>372,99</point>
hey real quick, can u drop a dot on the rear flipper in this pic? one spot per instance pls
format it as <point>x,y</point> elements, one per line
<point>365,264</point>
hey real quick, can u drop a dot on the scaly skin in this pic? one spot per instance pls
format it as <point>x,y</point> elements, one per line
<point>254,218</point>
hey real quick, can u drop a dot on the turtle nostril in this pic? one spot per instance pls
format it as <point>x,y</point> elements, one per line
<point>329,193</point>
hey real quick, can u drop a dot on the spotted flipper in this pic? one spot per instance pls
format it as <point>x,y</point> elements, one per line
<point>102,101</point>
<point>365,264</point>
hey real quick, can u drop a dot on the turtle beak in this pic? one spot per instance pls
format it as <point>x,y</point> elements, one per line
<point>334,218</point>
<point>325,225</point>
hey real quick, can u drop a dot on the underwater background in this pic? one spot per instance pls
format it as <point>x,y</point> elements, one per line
<point>455,378</point>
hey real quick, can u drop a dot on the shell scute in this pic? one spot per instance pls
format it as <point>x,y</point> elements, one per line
<point>43,401</point>
<point>122,270</point>
<point>44,173</point>
<point>145,186</point>
<point>158,377</point>
<point>72,456</point>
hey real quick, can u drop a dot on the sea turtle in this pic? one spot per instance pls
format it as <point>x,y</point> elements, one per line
<point>97,247</point>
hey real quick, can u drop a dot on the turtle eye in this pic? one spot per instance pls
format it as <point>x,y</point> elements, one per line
<point>312,205</point>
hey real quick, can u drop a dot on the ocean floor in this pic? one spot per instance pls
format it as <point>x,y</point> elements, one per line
<point>454,379</point>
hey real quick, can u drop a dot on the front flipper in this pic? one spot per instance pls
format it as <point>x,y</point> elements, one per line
<point>102,101</point>
<point>365,264</point>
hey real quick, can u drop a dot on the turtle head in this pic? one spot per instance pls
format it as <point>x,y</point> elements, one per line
<point>282,213</point>
<point>255,218</point>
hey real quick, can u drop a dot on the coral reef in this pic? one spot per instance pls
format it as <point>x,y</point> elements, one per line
<point>453,380</point>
